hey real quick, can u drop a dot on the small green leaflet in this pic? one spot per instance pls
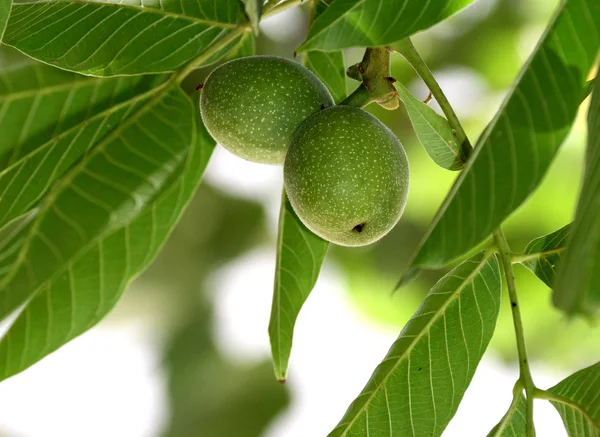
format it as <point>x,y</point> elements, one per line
<point>514,152</point>
<point>433,130</point>
<point>329,67</point>
<point>89,285</point>
<point>417,388</point>
<point>370,23</point>
<point>48,119</point>
<point>577,288</point>
<point>113,183</point>
<point>300,254</point>
<point>514,422</point>
<point>543,255</point>
<point>106,38</point>
<point>5,7</point>
<point>254,11</point>
<point>577,400</point>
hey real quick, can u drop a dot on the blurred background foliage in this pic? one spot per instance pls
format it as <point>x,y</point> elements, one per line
<point>476,55</point>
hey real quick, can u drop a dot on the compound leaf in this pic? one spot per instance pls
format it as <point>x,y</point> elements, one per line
<point>370,23</point>
<point>87,286</point>
<point>433,131</point>
<point>300,254</point>
<point>543,254</point>
<point>418,386</point>
<point>577,400</point>
<point>116,38</point>
<point>577,288</point>
<point>515,151</point>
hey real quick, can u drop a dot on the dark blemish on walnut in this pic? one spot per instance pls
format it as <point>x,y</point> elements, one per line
<point>359,228</point>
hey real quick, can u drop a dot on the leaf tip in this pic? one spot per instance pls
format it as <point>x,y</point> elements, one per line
<point>408,277</point>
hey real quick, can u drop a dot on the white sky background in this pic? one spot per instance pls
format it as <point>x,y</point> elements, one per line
<point>108,382</point>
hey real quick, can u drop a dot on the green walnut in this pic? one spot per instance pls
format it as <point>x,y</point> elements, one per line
<point>346,176</point>
<point>253,105</point>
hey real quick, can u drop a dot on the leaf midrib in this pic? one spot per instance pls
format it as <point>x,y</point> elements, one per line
<point>140,9</point>
<point>418,337</point>
<point>72,129</point>
<point>75,83</point>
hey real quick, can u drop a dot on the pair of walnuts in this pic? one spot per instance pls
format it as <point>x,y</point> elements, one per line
<point>346,174</point>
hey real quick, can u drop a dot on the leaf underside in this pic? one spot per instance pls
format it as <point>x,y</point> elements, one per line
<point>514,423</point>
<point>89,285</point>
<point>577,288</point>
<point>121,38</point>
<point>579,404</point>
<point>433,131</point>
<point>417,388</point>
<point>120,174</point>
<point>549,250</point>
<point>512,156</point>
<point>49,118</point>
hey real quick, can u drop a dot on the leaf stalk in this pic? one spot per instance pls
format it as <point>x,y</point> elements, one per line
<point>406,48</point>
<point>525,381</point>
<point>524,370</point>
<point>377,85</point>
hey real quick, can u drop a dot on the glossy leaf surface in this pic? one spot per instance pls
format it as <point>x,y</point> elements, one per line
<point>369,23</point>
<point>110,38</point>
<point>418,386</point>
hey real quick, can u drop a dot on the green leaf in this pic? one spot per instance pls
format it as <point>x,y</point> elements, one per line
<point>87,286</point>
<point>514,422</point>
<point>300,254</point>
<point>5,7</point>
<point>417,388</point>
<point>434,132</point>
<point>577,400</point>
<point>515,151</point>
<point>246,46</point>
<point>329,67</point>
<point>543,254</point>
<point>369,23</point>
<point>106,39</point>
<point>254,11</point>
<point>117,178</point>
<point>577,288</point>
<point>48,119</point>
